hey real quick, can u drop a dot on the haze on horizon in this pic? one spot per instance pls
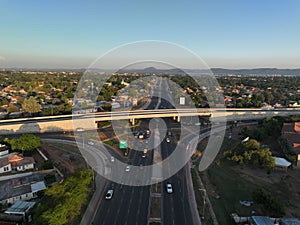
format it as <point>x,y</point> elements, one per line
<point>225,34</point>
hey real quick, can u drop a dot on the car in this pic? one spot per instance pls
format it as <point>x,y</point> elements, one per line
<point>246,203</point>
<point>112,159</point>
<point>168,140</point>
<point>90,143</point>
<point>169,188</point>
<point>127,169</point>
<point>109,194</point>
<point>169,133</point>
<point>80,129</point>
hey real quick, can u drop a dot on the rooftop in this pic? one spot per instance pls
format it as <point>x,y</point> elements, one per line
<point>261,220</point>
<point>19,186</point>
<point>291,131</point>
<point>20,207</point>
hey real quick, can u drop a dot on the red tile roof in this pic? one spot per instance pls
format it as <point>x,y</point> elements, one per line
<point>291,131</point>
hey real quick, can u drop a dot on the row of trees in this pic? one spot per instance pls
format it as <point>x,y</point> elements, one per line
<point>251,152</point>
<point>258,89</point>
<point>63,202</point>
<point>25,143</point>
<point>268,89</point>
<point>269,126</point>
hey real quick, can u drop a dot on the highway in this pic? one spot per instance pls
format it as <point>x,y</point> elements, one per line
<point>130,204</point>
<point>176,207</point>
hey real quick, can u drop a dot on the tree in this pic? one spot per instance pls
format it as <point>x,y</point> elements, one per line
<point>64,199</point>
<point>4,101</point>
<point>271,204</point>
<point>20,100</point>
<point>27,142</point>
<point>251,152</point>
<point>30,105</point>
<point>12,108</point>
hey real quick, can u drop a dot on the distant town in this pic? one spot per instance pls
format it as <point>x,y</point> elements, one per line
<point>254,179</point>
<point>52,92</point>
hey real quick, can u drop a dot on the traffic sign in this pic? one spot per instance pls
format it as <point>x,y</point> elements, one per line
<point>123,144</point>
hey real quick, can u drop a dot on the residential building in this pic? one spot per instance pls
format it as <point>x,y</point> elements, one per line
<point>16,162</point>
<point>22,188</point>
<point>261,220</point>
<point>20,208</point>
<point>3,150</point>
<point>20,163</point>
<point>5,166</point>
<point>291,131</point>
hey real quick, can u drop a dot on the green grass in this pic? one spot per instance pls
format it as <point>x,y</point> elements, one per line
<point>110,142</point>
<point>231,188</point>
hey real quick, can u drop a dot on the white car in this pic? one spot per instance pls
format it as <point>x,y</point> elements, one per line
<point>127,169</point>
<point>112,159</point>
<point>91,143</point>
<point>168,140</point>
<point>109,194</point>
<point>169,188</point>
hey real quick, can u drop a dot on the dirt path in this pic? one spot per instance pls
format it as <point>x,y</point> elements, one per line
<point>65,157</point>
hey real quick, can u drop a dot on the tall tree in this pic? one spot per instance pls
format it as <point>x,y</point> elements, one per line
<point>27,142</point>
<point>12,108</point>
<point>31,105</point>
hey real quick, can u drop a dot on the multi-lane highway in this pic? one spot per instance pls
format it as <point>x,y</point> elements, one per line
<point>130,204</point>
<point>176,207</point>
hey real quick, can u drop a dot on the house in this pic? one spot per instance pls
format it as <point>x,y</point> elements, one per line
<point>5,166</point>
<point>289,221</point>
<point>15,162</point>
<point>3,150</point>
<point>261,220</point>
<point>20,163</point>
<point>291,132</point>
<point>20,208</point>
<point>22,188</point>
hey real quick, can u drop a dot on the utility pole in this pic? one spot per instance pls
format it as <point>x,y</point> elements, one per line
<point>204,197</point>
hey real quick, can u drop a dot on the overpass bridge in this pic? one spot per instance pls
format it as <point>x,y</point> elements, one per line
<point>90,120</point>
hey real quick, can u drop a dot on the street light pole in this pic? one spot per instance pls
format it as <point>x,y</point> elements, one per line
<point>204,190</point>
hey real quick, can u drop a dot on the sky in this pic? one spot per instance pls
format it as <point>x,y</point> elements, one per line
<point>224,33</point>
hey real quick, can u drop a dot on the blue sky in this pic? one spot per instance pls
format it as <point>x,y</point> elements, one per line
<point>72,33</point>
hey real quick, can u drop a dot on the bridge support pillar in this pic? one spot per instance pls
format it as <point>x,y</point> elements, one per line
<point>178,119</point>
<point>132,120</point>
<point>174,117</point>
